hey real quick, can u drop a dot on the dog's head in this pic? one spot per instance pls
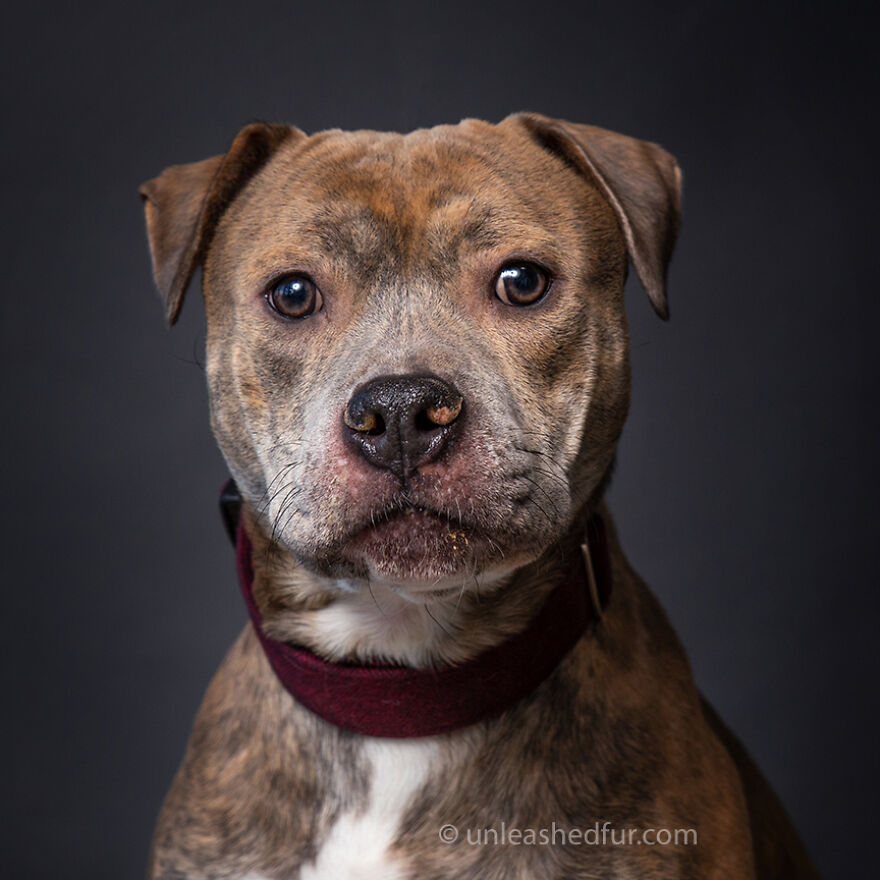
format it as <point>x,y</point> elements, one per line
<point>417,350</point>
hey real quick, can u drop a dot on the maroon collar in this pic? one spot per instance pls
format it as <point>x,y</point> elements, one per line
<point>400,702</point>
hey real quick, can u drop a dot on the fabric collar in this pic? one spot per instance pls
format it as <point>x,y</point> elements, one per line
<point>402,702</point>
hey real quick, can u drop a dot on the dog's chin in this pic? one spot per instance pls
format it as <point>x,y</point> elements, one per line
<point>416,551</point>
<point>416,547</point>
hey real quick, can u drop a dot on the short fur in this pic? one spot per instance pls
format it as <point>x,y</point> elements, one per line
<point>403,235</point>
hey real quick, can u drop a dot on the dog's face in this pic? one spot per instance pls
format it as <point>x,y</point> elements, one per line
<point>417,353</point>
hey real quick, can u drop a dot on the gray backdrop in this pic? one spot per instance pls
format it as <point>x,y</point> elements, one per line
<point>746,485</point>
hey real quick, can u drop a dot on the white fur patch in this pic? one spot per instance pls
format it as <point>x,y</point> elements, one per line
<point>393,621</point>
<point>356,848</point>
<point>380,622</point>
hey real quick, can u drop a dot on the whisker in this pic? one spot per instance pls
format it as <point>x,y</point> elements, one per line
<point>375,600</point>
<point>425,606</point>
<point>539,486</point>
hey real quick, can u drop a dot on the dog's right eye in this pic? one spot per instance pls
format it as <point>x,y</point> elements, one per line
<point>521,283</point>
<point>295,296</point>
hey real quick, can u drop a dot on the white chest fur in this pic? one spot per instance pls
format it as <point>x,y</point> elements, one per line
<point>357,846</point>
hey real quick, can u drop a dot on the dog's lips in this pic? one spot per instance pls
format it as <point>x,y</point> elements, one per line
<point>412,541</point>
<point>412,523</point>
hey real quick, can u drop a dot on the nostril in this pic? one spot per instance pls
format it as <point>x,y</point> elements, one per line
<point>377,428</point>
<point>362,418</point>
<point>423,422</point>
<point>438,416</point>
<point>444,413</point>
<point>369,423</point>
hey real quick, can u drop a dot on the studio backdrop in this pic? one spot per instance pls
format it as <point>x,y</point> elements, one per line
<point>745,490</point>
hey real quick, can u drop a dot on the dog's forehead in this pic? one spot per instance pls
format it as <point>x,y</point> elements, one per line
<point>437,163</point>
<point>433,191</point>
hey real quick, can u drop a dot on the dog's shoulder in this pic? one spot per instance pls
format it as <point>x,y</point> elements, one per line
<point>778,849</point>
<point>257,784</point>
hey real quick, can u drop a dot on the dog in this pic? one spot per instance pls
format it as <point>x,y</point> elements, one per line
<point>417,359</point>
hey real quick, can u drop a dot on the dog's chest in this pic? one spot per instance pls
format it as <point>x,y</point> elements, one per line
<point>357,846</point>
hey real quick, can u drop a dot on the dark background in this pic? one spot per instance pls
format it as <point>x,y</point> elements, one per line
<point>747,475</point>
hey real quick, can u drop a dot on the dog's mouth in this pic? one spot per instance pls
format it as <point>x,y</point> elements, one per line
<point>413,543</point>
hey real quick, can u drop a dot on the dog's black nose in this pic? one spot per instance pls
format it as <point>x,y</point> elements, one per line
<point>401,422</point>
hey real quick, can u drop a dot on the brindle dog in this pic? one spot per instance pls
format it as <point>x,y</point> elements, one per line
<point>474,272</point>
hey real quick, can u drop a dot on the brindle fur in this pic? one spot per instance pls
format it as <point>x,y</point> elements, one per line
<point>403,235</point>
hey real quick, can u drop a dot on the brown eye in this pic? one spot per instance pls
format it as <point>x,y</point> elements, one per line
<point>295,296</point>
<point>521,284</point>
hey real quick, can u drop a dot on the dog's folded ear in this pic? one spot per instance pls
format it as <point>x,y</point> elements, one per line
<point>185,202</point>
<point>641,181</point>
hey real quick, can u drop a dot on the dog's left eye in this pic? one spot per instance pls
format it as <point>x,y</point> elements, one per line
<point>521,284</point>
<point>295,296</point>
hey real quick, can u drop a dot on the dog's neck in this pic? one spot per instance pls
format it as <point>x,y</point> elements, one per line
<point>367,622</point>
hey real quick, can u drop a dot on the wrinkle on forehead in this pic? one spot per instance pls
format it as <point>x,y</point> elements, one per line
<point>372,243</point>
<point>393,204</point>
